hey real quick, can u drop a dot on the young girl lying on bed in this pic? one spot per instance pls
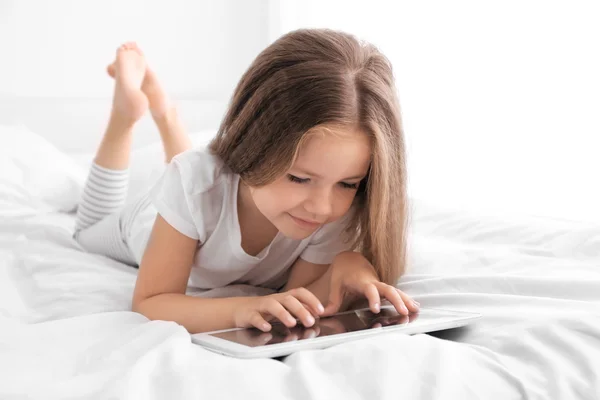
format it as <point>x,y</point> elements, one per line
<point>302,190</point>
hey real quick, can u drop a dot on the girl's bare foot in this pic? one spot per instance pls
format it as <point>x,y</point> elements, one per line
<point>165,115</point>
<point>129,68</point>
<point>157,98</point>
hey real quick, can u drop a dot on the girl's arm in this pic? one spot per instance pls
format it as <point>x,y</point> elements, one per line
<point>162,281</point>
<point>314,277</point>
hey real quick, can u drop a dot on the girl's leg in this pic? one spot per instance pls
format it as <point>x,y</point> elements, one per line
<point>105,191</point>
<point>173,135</point>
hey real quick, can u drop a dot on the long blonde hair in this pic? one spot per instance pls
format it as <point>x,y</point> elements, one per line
<point>312,77</point>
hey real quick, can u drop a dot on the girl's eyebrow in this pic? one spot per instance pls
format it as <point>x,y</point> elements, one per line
<point>306,172</point>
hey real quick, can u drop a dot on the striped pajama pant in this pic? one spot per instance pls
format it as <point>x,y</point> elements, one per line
<point>103,217</point>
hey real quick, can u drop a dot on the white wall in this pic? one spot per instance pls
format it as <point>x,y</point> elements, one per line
<point>58,50</point>
<point>500,99</point>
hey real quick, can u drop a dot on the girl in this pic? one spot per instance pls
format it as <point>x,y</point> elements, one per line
<point>301,192</point>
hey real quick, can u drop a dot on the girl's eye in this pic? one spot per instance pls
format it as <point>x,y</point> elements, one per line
<point>295,179</point>
<point>352,186</point>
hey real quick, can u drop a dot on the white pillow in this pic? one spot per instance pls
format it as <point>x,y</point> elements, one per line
<point>147,163</point>
<point>37,170</point>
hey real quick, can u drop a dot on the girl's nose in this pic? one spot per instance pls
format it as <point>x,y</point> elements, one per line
<point>319,204</point>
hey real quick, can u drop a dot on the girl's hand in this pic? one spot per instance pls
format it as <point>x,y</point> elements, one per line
<point>353,275</point>
<point>298,302</point>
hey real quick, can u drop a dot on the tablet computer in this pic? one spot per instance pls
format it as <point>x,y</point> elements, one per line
<point>329,331</point>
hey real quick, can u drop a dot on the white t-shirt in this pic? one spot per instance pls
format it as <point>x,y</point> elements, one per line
<point>197,195</point>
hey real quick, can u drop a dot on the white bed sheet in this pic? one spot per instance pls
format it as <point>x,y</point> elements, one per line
<point>67,332</point>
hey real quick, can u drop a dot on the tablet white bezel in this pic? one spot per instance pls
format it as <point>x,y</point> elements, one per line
<point>226,347</point>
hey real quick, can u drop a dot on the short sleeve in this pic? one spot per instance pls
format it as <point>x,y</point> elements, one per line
<point>170,198</point>
<point>330,240</point>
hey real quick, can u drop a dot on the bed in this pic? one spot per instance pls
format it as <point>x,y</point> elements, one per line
<point>67,331</point>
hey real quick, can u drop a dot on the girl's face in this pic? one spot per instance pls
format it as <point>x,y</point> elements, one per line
<point>319,187</point>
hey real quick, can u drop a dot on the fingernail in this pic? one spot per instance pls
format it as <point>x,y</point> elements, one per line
<point>320,308</point>
<point>377,307</point>
<point>310,320</point>
<point>416,304</point>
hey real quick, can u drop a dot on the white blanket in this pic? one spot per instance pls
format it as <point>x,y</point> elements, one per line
<point>66,331</point>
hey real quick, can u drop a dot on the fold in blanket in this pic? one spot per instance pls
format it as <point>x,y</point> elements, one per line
<point>67,331</point>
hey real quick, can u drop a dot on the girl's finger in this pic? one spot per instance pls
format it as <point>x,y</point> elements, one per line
<point>298,309</point>
<point>372,294</point>
<point>410,303</point>
<point>334,302</point>
<point>276,309</point>
<point>394,297</point>
<point>307,297</point>
<point>259,322</point>
<point>315,313</point>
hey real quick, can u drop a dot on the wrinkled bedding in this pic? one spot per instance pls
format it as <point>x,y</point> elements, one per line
<point>67,331</point>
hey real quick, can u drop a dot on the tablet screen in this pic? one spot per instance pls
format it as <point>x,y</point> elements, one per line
<point>348,322</point>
